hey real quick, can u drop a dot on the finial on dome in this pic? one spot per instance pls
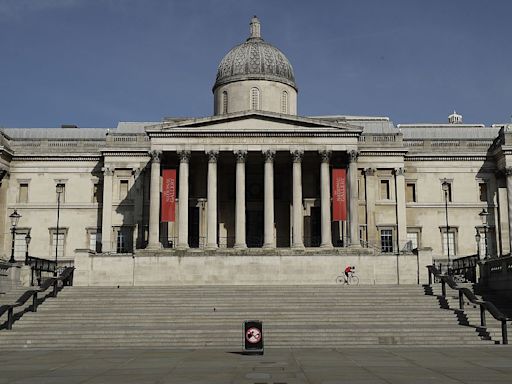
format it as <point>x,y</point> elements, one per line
<point>255,28</point>
<point>455,118</point>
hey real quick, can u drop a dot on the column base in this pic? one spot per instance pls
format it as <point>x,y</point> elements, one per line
<point>269,246</point>
<point>326,246</point>
<point>240,246</point>
<point>211,247</point>
<point>154,246</point>
<point>182,247</point>
<point>298,246</point>
<point>355,246</point>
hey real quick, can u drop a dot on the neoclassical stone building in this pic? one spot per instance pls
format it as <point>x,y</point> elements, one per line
<point>253,190</point>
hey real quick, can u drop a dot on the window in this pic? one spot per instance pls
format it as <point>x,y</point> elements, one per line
<point>23,193</point>
<point>410,192</point>
<point>94,240</point>
<point>384,190</point>
<point>284,102</point>
<point>60,189</point>
<point>57,243</point>
<point>412,240</point>
<point>255,98</point>
<point>123,189</point>
<point>96,192</point>
<point>386,240</point>
<point>224,102</point>
<point>449,244</point>
<point>447,190</point>
<point>20,245</point>
<point>124,237</point>
<point>482,191</point>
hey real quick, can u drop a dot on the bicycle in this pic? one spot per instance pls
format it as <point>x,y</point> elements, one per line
<point>352,279</point>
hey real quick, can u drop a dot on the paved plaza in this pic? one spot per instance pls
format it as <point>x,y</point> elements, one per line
<point>277,366</point>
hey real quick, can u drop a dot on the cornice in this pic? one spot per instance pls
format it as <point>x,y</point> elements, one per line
<point>225,134</point>
<point>142,152</point>
<point>78,157</point>
<point>445,157</point>
<point>383,152</point>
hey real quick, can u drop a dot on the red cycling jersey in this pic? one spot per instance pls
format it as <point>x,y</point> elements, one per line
<point>348,269</point>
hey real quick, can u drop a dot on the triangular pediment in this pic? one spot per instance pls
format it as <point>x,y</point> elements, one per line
<point>254,121</point>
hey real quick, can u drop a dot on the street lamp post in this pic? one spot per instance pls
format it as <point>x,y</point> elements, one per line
<point>478,238</point>
<point>15,217</point>
<point>446,187</point>
<point>59,190</point>
<point>28,238</point>
<point>483,215</point>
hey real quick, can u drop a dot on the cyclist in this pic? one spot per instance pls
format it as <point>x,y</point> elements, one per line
<point>348,269</point>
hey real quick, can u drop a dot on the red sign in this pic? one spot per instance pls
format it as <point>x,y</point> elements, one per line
<point>339,195</point>
<point>169,195</point>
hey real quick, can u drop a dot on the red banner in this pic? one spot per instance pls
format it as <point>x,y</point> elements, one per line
<point>339,195</point>
<point>169,195</point>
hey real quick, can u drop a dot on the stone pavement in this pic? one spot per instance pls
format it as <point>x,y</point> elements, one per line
<point>278,366</point>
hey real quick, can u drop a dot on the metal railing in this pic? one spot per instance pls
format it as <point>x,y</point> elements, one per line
<point>484,305</point>
<point>66,277</point>
<point>38,266</point>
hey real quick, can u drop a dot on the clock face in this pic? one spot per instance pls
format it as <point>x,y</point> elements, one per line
<point>253,335</point>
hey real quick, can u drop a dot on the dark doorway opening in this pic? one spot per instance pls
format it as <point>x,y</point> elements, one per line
<point>193,227</point>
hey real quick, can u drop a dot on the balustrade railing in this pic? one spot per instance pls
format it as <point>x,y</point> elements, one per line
<point>65,278</point>
<point>445,279</point>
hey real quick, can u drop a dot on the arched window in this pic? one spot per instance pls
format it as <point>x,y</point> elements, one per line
<point>284,102</point>
<point>255,98</point>
<point>224,102</point>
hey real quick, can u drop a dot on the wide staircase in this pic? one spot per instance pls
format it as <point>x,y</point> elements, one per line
<point>212,317</point>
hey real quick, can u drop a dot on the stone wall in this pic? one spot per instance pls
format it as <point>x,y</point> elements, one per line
<point>246,267</point>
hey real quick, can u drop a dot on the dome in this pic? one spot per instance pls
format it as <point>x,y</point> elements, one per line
<point>255,59</point>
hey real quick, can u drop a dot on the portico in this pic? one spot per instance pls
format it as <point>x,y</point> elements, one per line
<point>244,204</point>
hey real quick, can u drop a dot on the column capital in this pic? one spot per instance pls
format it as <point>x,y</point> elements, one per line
<point>325,155</point>
<point>3,173</point>
<point>241,155</point>
<point>269,155</point>
<point>108,170</point>
<point>508,171</point>
<point>297,155</point>
<point>352,156</point>
<point>213,155</point>
<point>184,156</point>
<point>155,155</point>
<point>400,171</point>
<point>370,171</point>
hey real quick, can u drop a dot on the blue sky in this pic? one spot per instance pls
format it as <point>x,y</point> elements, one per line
<point>97,62</point>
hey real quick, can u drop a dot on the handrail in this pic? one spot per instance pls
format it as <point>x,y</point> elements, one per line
<point>484,305</point>
<point>67,279</point>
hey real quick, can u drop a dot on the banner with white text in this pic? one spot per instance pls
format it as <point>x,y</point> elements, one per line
<point>168,195</point>
<point>339,194</point>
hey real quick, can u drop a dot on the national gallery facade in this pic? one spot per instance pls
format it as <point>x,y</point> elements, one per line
<point>256,194</point>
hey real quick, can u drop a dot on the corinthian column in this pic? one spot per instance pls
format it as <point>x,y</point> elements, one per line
<point>268,201</point>
<point>508,173</point>
<point>325,200</point>
<point>154,202</point>
<point>240,241</point>
<point>353,206</point>
<point>212,199</point>
<point>297,216</point>
<point>183,200</point>
<point>106,218</point>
